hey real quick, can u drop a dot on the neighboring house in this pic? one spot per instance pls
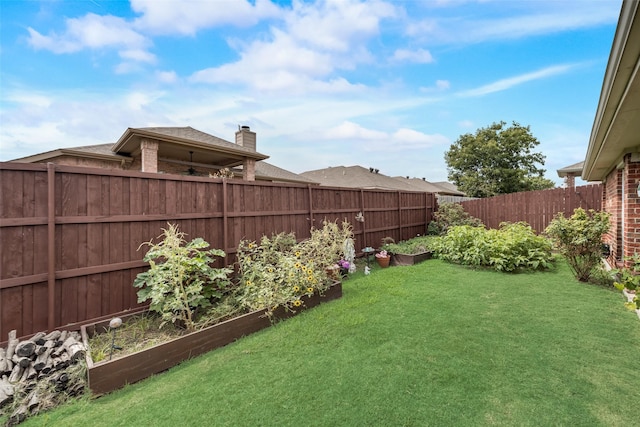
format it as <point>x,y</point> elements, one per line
<point>570,172</point>
<point>431,187</point>
<point>613,155</point>
<point>370,178</point>
<point>356,177</point>
<point>174,150</point>
<point>444,191</point>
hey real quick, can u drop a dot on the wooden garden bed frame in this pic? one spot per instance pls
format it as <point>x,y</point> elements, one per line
<point>109,375</point>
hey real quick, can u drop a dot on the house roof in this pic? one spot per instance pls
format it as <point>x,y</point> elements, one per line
<point>268,171</point>
<point>432,187</point>
<point>356,177</point>
<point>616,125</point>
<point>187,144</point>
<point>571,170</point>
<point>100,151</point>
<point>264,170</point>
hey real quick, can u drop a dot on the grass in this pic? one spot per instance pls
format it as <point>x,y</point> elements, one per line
<point>430,344</point>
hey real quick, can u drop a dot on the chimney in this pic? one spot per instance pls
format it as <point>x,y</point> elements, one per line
<point>246,138</point>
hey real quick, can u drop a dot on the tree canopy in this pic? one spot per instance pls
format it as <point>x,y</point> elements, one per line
<point>496,160</point>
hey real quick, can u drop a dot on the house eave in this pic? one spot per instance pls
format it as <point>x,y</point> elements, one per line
<point>39,158</point>
<point>617,124</point>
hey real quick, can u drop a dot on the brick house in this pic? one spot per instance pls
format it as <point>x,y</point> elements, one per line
<point>613,155</point>
<point>174,150</point>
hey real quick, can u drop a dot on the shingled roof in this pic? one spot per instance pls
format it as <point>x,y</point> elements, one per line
<point>356,177</point>
<point>444,188</point>
<point>187,135</point>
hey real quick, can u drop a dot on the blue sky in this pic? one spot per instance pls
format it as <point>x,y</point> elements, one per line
<point>383,84</point>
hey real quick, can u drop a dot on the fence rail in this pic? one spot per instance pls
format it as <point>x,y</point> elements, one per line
<point>69,236</point>
<point>535,207</point>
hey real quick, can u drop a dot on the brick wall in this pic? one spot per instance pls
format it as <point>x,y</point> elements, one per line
<point>632,206</point>
<point>612,203</point>
<point>621,201</point>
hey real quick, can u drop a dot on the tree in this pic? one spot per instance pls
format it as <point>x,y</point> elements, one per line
<point>496,160</point>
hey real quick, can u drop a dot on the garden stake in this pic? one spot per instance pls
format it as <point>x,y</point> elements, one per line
<point>114,324</point>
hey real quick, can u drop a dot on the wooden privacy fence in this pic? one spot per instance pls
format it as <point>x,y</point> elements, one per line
<point>69,236</point>
<point>535,207</point>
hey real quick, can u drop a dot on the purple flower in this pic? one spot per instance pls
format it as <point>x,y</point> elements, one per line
<point>344,264</point>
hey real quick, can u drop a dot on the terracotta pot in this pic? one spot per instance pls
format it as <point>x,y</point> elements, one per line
<point>383,262</point>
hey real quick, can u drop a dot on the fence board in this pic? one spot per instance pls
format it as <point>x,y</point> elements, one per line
<point>101,217</point>
<point>537,208</point>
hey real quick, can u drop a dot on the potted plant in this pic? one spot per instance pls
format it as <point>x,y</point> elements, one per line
<point>383,258</point>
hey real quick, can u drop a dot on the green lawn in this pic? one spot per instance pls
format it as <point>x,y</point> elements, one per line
<point>431,344</point>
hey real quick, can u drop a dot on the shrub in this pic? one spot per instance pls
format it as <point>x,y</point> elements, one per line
<point>514,247</point>
<point>450,215</point>
<point>579,239</point>
<point>273,274</point>
<point>180,279</point>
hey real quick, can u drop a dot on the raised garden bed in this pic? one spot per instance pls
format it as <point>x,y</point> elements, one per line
<point>109,375</point>
<point>410,259</point>
<point>410,251</point>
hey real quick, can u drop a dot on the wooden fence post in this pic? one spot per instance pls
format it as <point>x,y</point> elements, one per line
<point>51,244</point>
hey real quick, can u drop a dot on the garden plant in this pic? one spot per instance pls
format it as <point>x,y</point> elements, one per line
<point>181,280</point>
<point>579,239</point>
<point>277,271</point>
<point>450,215</point>
<point>410,247</point>
<point>513,247</point>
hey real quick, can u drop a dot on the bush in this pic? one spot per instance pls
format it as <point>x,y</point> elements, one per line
<point>450,215</point>
<point>180,279</point>
<point>514,247</point>
<point>579,239</point>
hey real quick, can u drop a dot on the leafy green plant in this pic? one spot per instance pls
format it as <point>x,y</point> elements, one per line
<point>633,304</point>
<point>180,279</point>
<point>514,247</point>
<point>272,274</point>
<point>412,246</point>
<point>579,239</point>
<point>629,280</point>
<point>450,215</point>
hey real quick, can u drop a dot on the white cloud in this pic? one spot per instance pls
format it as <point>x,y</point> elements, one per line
<point>90,32</point>
<point>520,19</point>
<point>167,76</point>
<point>138,55</point>
<point>138,100</point>
<point>306,54</point>
<point>440,86</point>
<point>376,140</point>
<point>510,82</point>
<point>187,17</point>
<point>337,25</point>
<point>29,99</point>
<point>350,130</point>
<point>419,56</point>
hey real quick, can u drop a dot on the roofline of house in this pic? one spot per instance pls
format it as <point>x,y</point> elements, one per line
<point>76,153</point>
<point>132,132</point>
<point>617,79</point>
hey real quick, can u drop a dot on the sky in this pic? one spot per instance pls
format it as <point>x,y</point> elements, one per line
<point>383,84</point>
